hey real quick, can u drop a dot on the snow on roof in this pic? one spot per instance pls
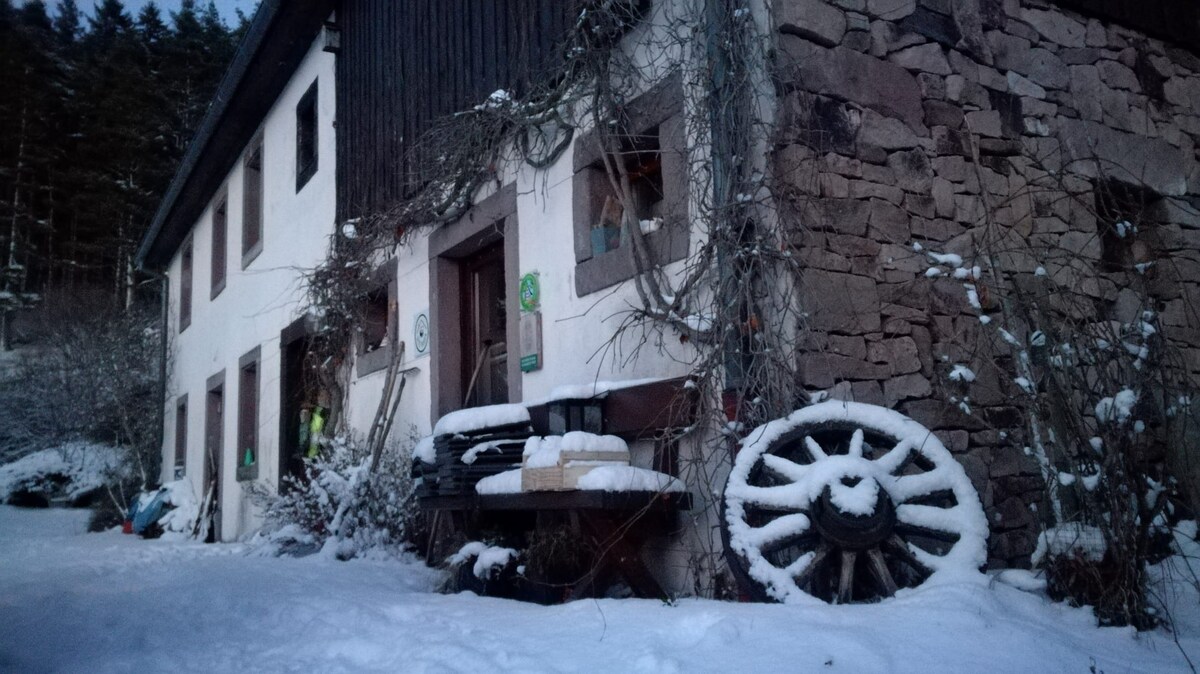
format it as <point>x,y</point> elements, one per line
<point>477,418</point>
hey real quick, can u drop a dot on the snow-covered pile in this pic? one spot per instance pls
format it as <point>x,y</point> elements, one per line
<point>489,559</point>
<point>1070,539</point>
<point>547,451</point>
<point>477,418</point>
<point>180,521</point>
<point>66,472</point>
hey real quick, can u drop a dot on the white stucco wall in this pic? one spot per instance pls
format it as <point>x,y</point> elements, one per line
<point>259,301</point>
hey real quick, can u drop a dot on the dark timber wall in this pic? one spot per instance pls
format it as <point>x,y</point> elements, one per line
<point>404,64</point>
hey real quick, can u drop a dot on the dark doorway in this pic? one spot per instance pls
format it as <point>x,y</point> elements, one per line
<point>298,394</point>
<point>214,426</point>
<point>484,314</point>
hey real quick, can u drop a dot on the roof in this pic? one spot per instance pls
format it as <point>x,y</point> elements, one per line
<point>275,43</point>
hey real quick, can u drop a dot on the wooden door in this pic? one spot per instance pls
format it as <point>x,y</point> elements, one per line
<point>485,315</point>
<point>214,426</point>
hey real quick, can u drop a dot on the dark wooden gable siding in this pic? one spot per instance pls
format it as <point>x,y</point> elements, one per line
<point>404,64</point>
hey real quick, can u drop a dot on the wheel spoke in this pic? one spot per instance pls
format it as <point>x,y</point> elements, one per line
<point>814,450</point>
<point>786,526</point>
<point>782,498</point>
<point>819,556</point>
<point>856,444</point>
<point>896,459</point>
<point>803,539</point>
<point>918,531</point>
<point>879,569</point>
<point>783,468</point>
<point>900,548</point>
<point>927,521</point>
<point>846,578</point>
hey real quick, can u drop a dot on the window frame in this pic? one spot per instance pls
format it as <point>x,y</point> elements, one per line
<point>187,273</point>
<point>253,212</point>
<point>248,412</point>
<point>365,363</point>
<point>219,255</point>
<point>181,431</point>
<point>661,107</point>
<point>307,136</point>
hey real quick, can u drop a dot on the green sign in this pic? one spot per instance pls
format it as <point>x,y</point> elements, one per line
<point>529,292</point>
<point>529,363</point>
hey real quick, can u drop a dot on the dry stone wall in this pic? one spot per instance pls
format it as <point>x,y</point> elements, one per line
<point>907,121</point>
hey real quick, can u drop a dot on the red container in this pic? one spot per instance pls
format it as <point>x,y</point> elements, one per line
<point>127,527</point>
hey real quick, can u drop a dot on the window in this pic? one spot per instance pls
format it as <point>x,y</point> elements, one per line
<point>652,154</point>
<point>252,204</point>
<point>306,136</point>
<point>247,431</point>
<point>220,235</point>
<point>378,331</point>
<point>1121,210</point>
<point>181,420</point>
<point>185,286</point>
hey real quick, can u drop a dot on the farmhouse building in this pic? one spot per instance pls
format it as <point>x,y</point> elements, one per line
<point>882,138</point>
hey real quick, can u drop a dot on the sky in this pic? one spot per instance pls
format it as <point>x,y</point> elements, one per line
<point>225,7</point>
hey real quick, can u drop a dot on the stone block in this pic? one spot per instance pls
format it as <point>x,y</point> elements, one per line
<point>938,415</point>
<point>862,189</point>
<point>936,25</point>
<point>813,20</point>
<point>854,76</point>
<point>891,10</point>
<point>888,133</point>
<point>1085,56</point>
<point>1149,161</point>
<point>1023,86</point>
<point>822,370</point>
<point>841,303</point>
<point>1095,35</point>
<point>889,223</point>
<point>905,387</point>
<point>1055,26</point>
<point>925,58</point>
<point>943,197</point>
<point>941,113</point>
<point>867,392</point>
<point>984,123</point>
<point>834,186</point>
<point>912,170</point>
<point>1039,65</point>
<point>1118,76</point>
<point>899,353</point>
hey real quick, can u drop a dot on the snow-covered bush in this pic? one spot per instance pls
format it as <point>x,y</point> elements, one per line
<point>91,373</point>
<point>71,473</point>
<point>340,506</point>
<point>1071,332</point>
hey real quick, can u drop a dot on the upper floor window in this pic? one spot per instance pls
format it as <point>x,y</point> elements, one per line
<point>306,136</point>
<point>185,286</point>
<point>650,151</point>
<point>252,203</point>
<point>220,235</point>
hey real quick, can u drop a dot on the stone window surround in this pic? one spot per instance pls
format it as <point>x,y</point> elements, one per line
<point>181,423</point>
<point>661,107</point>
<point>220,224</point>
<point>307,107</point>
<point>187,274</point>
<point>251,357</point>
<point>491,220</point>
<point>365,363</point>
<point>250,252</point>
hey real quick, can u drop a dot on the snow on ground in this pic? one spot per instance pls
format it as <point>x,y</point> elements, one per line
<point>76,602</point>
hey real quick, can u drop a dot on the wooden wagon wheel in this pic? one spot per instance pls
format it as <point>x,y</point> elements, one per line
<point>847,502</point>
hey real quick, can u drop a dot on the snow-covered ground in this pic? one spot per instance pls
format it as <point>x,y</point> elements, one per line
<point>76,602</point>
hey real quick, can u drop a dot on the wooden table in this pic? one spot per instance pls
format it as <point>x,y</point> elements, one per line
<point>607,518</point>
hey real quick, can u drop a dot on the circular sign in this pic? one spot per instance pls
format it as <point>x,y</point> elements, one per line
<point>421,333</point>
<point>529,292</point>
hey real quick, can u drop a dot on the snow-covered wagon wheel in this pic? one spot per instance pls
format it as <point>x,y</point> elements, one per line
<point>847,502</point>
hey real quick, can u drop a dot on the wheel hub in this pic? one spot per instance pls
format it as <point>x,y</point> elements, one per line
<point>851,531</point>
